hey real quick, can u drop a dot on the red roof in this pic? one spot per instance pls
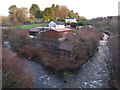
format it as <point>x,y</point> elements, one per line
<point>66,46</point>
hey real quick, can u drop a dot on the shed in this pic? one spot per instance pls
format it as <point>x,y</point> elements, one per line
<point>57,33</point>
<point>37,30</point>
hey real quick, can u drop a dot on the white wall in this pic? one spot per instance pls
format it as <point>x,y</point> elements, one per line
<point>70,20</point>
<point>60,26</point>
<point>53,25</point>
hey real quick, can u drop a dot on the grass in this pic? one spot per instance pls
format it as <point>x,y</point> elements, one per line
<point>69,75</point>
<point>25,26</point>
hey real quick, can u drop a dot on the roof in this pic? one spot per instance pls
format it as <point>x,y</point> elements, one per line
<point>59,23</point>
<point>66,46</point>
<point>34,29</point>
<point>62,29</point>
<point>37,29</point>
<point>69,18</point>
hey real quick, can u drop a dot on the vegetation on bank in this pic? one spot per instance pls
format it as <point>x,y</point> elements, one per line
<point>113,44</point>
<point>111,24</point>
<point>13,71</point>
<point>85,45</point>
<point>42,54</point>
<point>114,64</point>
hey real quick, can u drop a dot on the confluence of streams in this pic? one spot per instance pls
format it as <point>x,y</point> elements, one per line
<point>93,74</point>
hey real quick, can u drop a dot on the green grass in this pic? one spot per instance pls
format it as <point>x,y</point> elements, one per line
<point>25,26</point>
<point>69,75</point>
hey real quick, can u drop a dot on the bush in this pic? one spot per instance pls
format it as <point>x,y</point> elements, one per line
<point>80,23</point>
<point>85,44</point>
<point>52,19</point>
<point>62,20</point>
<point>50,61</point>
<point>13,71</point>
<point>18,38</point>
<point>31,52</point>
<point>73,25</point>
<point>114,63</point>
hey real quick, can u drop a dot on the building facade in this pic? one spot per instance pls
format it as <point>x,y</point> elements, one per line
<point>57,33</point>
<point>70,20</point>
<point>56,25</point>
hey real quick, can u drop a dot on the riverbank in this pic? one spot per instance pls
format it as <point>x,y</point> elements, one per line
<point>93,74</point>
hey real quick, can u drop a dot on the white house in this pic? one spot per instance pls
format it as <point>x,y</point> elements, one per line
<point>56,25</point>
<point>70,20</point>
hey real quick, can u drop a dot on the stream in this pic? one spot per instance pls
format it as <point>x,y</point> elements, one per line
<point>93,74</point>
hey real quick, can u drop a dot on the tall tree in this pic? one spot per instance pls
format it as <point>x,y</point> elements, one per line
<point>34,11</point>
<point>53,6</point>
<point>48,14</point>
<point>71,14</point>
<point>63,11</point>
<point>22,15</point>
<point>76,15</point>
<point>18,15</point>
<point>12,14</point>
<point>55,10</point>
<point>12,8</point>
<point>39,14</point>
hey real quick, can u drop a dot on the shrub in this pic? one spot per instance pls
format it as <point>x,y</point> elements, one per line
<point>85,43</point>
<point>62,20</point>
<point>13,72</point>
<point>114,63</point>
<point>18,38</point>
<point>31,52</point>
<point>73,25</point>
<point>40,54</point>
<point>80,23</point>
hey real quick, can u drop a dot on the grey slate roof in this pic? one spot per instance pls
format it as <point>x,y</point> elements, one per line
<point>59,23</point>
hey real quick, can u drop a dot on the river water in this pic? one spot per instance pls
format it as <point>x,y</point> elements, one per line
<point>93,74</point>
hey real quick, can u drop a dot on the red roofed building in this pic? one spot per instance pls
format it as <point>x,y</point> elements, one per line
<point>57,33</point>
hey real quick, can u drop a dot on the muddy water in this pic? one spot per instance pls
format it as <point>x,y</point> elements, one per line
<point>93,74</point>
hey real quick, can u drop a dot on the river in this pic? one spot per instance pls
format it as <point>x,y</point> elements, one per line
<point>93,74</point>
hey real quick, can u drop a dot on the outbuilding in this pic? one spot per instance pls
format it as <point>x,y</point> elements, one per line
<point>57,33</point>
